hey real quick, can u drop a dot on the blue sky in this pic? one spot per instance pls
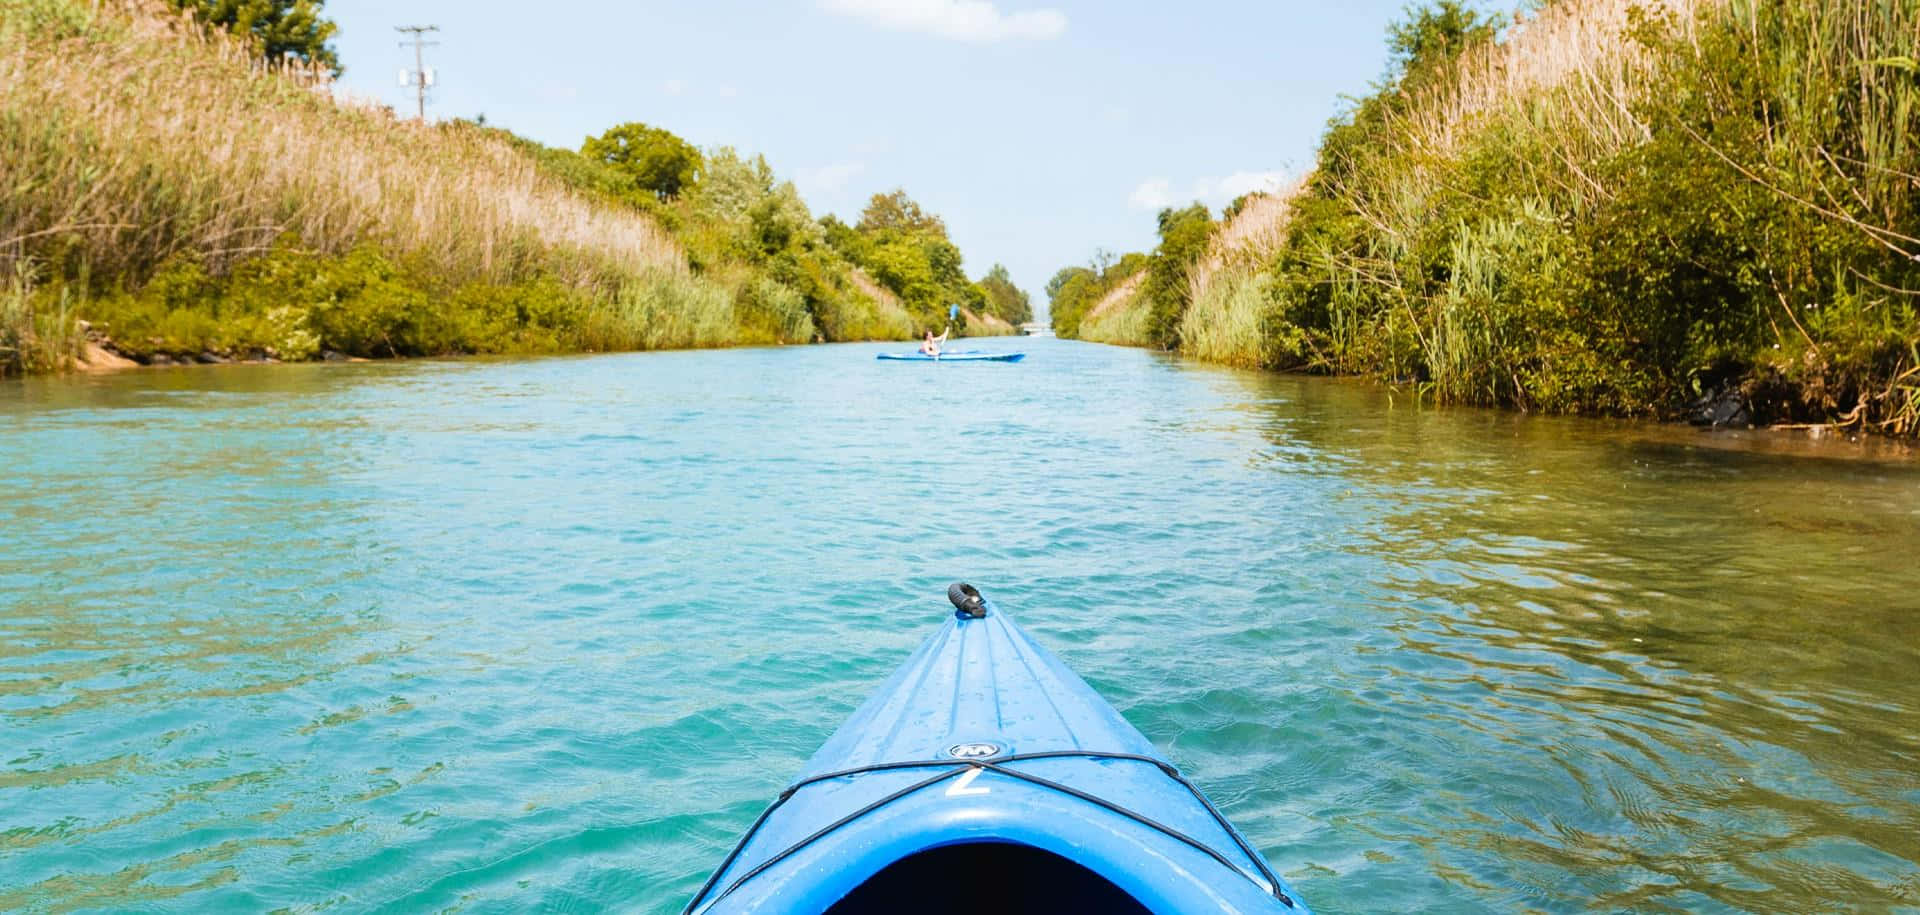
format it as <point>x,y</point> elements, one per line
<point>1040,130</point>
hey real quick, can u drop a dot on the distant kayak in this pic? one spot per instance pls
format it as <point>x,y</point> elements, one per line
<point>971,355</point>
<point>985,776</point>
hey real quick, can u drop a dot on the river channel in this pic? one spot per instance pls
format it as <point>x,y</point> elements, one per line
<point>514,635</point>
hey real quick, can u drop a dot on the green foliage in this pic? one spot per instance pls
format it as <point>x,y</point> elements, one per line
<point>1183,239</point>
<point>1063,277</point>
<point>855,316</point>
<point>1153,313</point>
<point>1069,293</point>
<point>294,250</point>
<point>279,28</point>
<point>1074,290</point>
<point>294,304</point>
<point>894,211</point>
<point>591,178</point>
<point>38,331</point>
<point>1753,233</point>
<point>752,232</point>
<point>906,250</point>
<point>1005,300</point>
<point>772,312</point>
<point>1228,322</point>
<point>654,160</point>
<point>54,20</point>
<point>660,310</point>
<point>748,232</point>
<point>1432,37</point>
<point>1121,320</point>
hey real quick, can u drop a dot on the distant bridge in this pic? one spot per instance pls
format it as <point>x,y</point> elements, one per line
<point>1036,329</point>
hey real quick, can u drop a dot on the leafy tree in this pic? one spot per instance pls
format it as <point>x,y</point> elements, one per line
<point>1062,278</point>
<point>1078,288</point>
<point>1183,238</point>
<point>906,249</point>
<point>844,238</point>
<point>1004,299</point>
<point>656,161</point>
<point>897,212</point>
<point>1074,290</point>
<point>1435,35</point>
<point>902,266</point>
<point>732,184</point>
<point>279,28</point>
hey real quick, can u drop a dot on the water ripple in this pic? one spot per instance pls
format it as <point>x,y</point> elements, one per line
<point>510,635</point>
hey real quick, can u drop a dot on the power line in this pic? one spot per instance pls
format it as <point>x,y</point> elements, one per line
<point>419,77</point>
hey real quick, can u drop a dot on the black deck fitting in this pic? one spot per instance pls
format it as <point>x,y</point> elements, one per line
<point>967,602</point>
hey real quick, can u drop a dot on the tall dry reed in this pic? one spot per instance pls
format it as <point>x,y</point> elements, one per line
<point>1226,320</point>
<point>37,333</point>
<point>1564,88</point>
<point>137,136</point>
<point>1121,316</point>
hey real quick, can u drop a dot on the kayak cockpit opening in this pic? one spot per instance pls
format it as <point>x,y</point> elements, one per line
<point>1004,878</point>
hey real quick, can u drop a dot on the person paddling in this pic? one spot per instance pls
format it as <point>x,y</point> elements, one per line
<point>931,345</point>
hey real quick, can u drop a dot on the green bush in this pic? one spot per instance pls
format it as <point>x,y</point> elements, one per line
<point>1183,239</point>
<point>38,331</point>
<point>772,312</point>
<point>1746,226</point>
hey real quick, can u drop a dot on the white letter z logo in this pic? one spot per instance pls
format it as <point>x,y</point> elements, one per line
<point>963,787</point>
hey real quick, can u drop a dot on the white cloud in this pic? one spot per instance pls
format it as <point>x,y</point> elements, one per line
<point>961,20</point>
<point>1152,194</point>
<point>1159,193</point>
<point>827,179</point>
<point>1246,183</point>
<point>728,92</point>
<point>674,86</point>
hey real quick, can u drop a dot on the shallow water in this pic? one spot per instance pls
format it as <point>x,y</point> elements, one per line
<point>506,635</point>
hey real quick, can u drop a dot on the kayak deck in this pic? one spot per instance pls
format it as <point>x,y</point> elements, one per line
<point>986,753</point>
<point>958,356</point>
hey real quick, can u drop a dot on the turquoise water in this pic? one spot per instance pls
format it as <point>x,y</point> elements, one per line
<point>514,635</point>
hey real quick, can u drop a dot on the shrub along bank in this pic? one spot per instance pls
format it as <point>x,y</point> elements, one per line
<point>169,190</point>
<point>1639,208</point>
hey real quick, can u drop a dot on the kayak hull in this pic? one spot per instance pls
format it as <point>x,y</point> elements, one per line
<point>962,356</point>
<point>985,747</point>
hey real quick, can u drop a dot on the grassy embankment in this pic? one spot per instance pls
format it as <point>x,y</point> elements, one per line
<point>166,187</point>
<point>1610,206</point>
<point>1119,315</point>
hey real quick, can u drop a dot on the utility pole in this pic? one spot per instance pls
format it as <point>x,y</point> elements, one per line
<point>419,77</point>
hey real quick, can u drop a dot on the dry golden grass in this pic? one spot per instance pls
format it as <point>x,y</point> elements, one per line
<point>1260,228</point>
<point>1120,317</point>
<point>880,316</point>
<point>985,325</point>
<point>1580,50</point>
<point>873,290</point>
<point>1584,49</point>
<point>1119,295</point>
<point>1227,286</point>
<point>1248,239</point>
<point>143,137</point>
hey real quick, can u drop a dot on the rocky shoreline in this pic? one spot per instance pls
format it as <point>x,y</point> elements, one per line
<point>100,353</point>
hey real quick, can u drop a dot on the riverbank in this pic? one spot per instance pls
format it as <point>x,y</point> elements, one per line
<point>171,197</point>
<point>1685,209</point>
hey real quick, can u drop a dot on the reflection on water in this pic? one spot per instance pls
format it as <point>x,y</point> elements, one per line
<point>547,634</point>
<point>1652,674</point>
